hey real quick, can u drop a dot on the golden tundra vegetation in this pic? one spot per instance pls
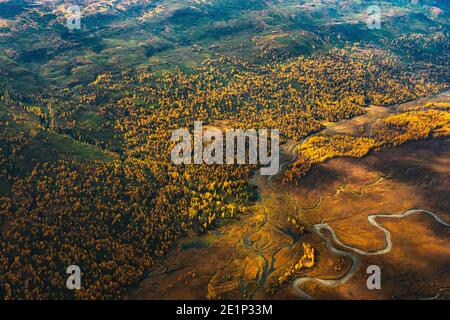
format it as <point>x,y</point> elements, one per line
<point>89,180</point>
<point>306,261</point>
<point>393,130</point>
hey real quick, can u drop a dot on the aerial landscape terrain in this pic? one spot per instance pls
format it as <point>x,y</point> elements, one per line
<point>87,115</point>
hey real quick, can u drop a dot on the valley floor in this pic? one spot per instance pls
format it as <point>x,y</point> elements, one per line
<point>245,259</point>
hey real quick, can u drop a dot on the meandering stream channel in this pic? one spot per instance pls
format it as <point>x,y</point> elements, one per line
<point>339,248</point>
<point>297,282</point>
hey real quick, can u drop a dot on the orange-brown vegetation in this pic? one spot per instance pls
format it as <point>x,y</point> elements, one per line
<point>393,130</point>
<point>306,261</point>
<point>113,212</point>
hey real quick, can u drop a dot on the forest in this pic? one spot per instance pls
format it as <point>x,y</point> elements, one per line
<point>86,171</point>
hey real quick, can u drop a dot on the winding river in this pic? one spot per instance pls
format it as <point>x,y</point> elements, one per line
<point>346,250</point>
<point>297,282</point>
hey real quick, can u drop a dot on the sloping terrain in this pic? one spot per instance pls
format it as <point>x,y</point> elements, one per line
<point>86,178</point>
